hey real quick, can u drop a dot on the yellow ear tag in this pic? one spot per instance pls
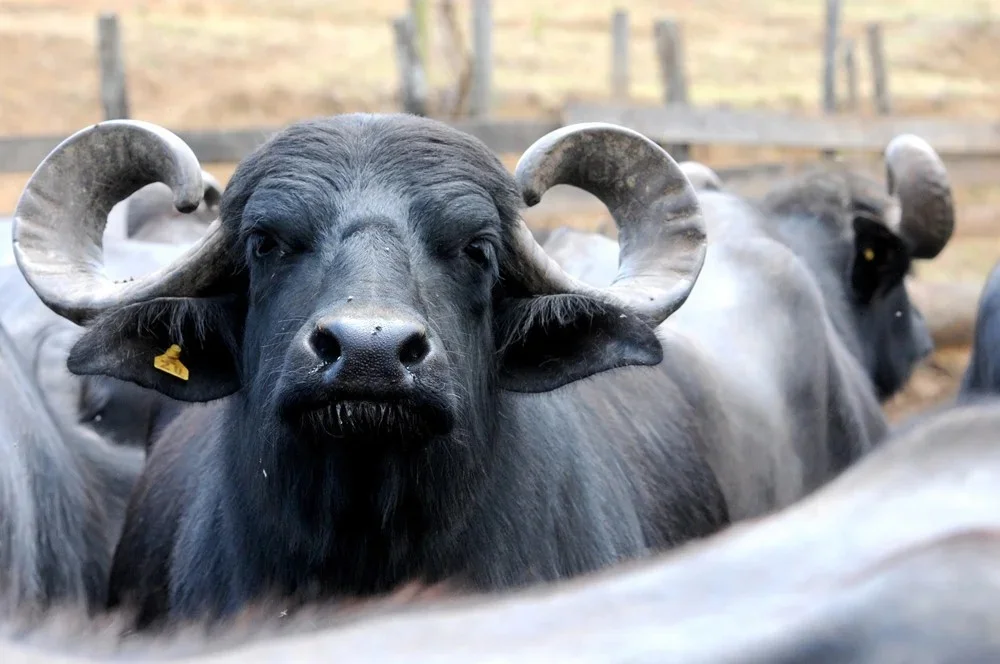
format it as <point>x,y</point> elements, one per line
<point>170,363</point>
<point>869,254</point>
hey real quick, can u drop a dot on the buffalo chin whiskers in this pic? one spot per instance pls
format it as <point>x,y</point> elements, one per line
<point>344,418</point>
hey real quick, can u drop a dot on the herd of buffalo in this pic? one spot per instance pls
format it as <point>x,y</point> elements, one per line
<point>349,408</point>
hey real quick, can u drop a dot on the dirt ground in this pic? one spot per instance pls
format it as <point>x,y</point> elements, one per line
<point>242,63</point>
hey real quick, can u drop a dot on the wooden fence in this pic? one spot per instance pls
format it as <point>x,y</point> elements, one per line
<point>674,124</point>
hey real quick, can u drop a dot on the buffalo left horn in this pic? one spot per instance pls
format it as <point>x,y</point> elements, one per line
<point>661,233</point>
<point>59,221</point>
<point>917,178</point>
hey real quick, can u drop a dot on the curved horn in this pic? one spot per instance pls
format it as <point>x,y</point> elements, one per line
<point>661,234</point>
<point>60,217</point>
<point>701,177</point>
<point>916,176</point>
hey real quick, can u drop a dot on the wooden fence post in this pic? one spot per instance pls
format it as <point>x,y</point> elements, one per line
<point>482,46</point>
<point>114,94</point>
<point>880,80</point>
<point>830,62</point>
<point>421,28</point>
<point>670,54</point>
<point>455,98</point>
<point>850,74</point>
<point>412,78</point>
<point>619,55</point>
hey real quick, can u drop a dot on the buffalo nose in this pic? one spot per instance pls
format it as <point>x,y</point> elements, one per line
<point>367,346</point>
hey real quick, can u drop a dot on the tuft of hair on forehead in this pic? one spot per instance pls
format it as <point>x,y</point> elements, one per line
<point>399,151</point>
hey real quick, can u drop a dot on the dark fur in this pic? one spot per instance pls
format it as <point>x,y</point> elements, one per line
<point>982,374</point>
<point>62,500</point>
<point>829,217</point>
<point>471,478</point>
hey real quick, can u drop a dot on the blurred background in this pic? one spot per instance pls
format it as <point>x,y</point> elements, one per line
<point>754,88</point>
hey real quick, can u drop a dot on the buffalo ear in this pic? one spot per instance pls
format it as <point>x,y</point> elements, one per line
<point>125,344</point>
<point>547,342</point>
<point>881,259</point>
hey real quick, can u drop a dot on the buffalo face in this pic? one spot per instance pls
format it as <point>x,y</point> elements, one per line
<point>370,299</point>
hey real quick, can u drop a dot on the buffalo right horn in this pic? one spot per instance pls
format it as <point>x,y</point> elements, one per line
<point>59,221</point>
<point>661,233</point>
<point>917,178</point>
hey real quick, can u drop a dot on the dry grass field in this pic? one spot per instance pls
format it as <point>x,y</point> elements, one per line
<point>243,63</point>
<point>202,63</point>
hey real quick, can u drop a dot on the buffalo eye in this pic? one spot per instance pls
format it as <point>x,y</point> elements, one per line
<point>480,251</point>
<point>262,244</point>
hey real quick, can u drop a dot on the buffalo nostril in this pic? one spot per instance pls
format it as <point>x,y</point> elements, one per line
<point>325,344</point>
<point>414,349</point>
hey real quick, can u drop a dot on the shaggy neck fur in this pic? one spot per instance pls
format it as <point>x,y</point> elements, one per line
<point>382,508</point>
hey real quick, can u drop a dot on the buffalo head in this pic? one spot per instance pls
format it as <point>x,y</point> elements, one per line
<point>366,273</point>
<point>863,245</point>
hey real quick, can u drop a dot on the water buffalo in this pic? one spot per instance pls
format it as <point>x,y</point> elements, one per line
<point>895,560</point>
<point>62,500</point>
<point>856,239</point>
<point>982,374</point>
<point>397,383</point>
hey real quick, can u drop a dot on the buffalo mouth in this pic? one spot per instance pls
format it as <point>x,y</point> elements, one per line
<point>401,421</point>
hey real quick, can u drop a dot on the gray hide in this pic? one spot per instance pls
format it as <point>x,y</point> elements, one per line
<point>758,319</point>
<point>150,216</point>
<point>45,338</point>
<point>588,256</point>
<point>62,499</point>
<point>982,373</point>
<point>893,561</point>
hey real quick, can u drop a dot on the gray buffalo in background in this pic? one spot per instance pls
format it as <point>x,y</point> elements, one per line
<point>982,373</point>
<point>63,493</point>
<point>372,319</point>
<point>856,237</point>
<point>912,579</point>
<point>144,233</point>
